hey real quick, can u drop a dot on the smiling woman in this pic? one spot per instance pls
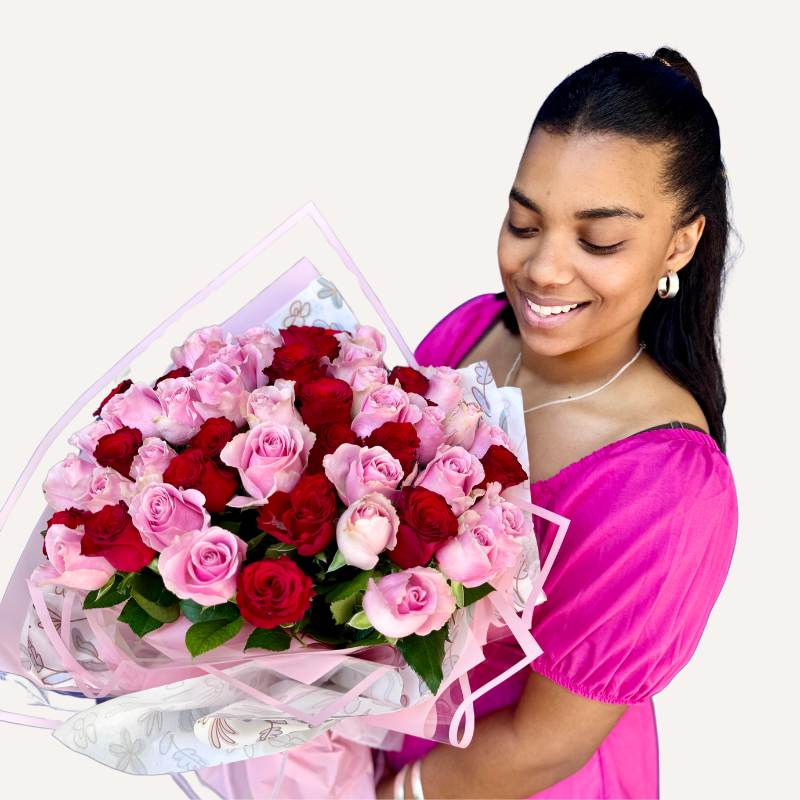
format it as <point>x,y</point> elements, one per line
<point>620,188</point>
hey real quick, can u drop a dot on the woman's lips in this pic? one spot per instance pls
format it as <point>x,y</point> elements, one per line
<point>553,320</point>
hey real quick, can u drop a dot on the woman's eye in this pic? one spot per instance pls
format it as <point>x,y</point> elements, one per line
<point>594,248</point>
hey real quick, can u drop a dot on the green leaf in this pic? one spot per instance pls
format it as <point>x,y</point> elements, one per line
<point>370,636</point>
<point>458,593</point>
<point>139,620</point>
<point>232,525</point>
<point>269,639</point>
<point>205,636</point>
<point>359,621</point>
<point>256,540</point>
<point>321,557</point>
<point>424,654</point>
<point>109,594</point>
<point>149,592</point>
<point>342,610</point>
<point>194,612</point>
<point>357,584</point>
<point>278,549</point>
<point>473,593</point>
<point>336,562</point>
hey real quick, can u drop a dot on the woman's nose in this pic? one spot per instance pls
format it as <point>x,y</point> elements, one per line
<point>548,262</point>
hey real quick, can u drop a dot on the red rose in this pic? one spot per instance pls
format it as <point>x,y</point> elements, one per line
<point>500,464</point>
<point>273,592</point>
<point>329,437</point>
<point>191,469</point>
<point>179,372</point>
<point>304,517</point>
<point>186,469</point>
<point>110,533</point>
<point>71,517</point>
<point>400,439</point>
<point>118,389</point>
<point>218,483</point>
<point>426,522</point>
<point>325,400</point>
<point>411,380</point>
<point>213,435</point>
<point>296,362</point>
<point>321,340</point>
<point>116,450</point>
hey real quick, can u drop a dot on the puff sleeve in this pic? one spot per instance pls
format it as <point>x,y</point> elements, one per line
<point>653,522</point>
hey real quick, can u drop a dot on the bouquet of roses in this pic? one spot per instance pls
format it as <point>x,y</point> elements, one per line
<point>288,483</point>
<point>279,543</point>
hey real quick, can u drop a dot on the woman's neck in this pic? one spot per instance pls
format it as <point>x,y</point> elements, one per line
<point>578,369</point>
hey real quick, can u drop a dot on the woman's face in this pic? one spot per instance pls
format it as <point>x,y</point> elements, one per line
<point>587,223</point>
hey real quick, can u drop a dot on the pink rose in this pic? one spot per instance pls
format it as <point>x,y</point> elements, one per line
<point>453,472</point>
<point>387,403</point>
<point>161,513</point>
<point>430,429</point>
<point>504,517</point>
<point>136,407</point>
<point>444,386</point>
<point>356,471</point>
<point>365,347</point>
<point>273,403</point>
<point>66,566</point>
<point>67,483</point>
<point>363,379</point>
<point>486,435</point>
<point>200,348</point>
<point>366,528</point>
<point>461,423</point>
<point>220,392</point>
<point>106,488</point>
<point>270,457</point>
<point>257,346</point>
<point>179,418</point>
<point>86,439</point>
<point>203,565</point>
<point>478,553</point>
<point>151,460</point>
<point>416,600</point>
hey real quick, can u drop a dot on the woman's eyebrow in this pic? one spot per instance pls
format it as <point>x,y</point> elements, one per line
<point>587,213</point>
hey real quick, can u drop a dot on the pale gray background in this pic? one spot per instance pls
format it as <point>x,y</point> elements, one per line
<point>146,146</point>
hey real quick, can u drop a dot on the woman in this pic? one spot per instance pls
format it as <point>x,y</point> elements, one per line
<point>620,190</point>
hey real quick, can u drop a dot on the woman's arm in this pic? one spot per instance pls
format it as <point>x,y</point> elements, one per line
<point>519,750</point>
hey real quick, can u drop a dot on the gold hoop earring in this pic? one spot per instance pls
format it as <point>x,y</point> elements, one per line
<point>668,285</point>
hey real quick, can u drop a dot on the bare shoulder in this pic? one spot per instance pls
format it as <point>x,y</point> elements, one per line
<point>564,433</point>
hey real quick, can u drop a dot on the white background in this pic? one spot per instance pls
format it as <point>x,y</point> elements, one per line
<point>146,146</point>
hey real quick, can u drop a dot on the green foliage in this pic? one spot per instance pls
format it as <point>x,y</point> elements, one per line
<point>139,620</point>
<point>109,594</point>
<point>205,636</point>
<point>194,612</point>
<point>424,654</point>
<point>474,593</point>
<point>149,592</point>
<point>268,639</point>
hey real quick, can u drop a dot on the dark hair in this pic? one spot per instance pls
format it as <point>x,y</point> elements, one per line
<point>640,96</point>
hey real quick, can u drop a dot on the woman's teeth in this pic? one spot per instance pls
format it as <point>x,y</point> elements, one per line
<point>546,311</point>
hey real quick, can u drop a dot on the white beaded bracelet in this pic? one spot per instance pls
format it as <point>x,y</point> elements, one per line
<point>416,780</point>
<point>399,783</point>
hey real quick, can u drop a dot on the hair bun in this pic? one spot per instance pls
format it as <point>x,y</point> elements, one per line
<point>678,62</point>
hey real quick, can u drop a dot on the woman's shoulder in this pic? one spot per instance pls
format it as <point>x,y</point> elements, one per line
<point>678,456</point>
<point>455,333</point>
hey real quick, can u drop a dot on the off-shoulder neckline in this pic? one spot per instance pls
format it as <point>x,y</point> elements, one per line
<point>648,434</point>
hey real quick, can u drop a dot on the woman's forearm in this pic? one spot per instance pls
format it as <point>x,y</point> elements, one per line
<point>496,764</point>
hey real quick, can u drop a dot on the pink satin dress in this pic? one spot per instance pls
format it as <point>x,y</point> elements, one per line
<point>653,527</point>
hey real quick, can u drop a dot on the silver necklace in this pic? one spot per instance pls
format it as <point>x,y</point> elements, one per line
<point>616,375</point>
